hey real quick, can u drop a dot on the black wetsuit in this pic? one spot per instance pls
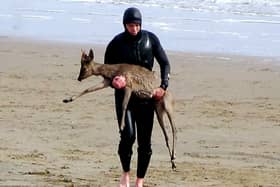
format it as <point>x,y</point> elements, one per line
<point>140,50</point>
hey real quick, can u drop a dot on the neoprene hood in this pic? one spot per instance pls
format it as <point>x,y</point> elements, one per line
<point>132,15</point>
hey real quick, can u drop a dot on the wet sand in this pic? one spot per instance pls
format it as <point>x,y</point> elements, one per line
<point>227,115</point>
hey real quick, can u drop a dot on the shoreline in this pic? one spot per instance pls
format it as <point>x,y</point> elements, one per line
<point>227,115</point>
<point>258,59</point>
<point>183,29</point>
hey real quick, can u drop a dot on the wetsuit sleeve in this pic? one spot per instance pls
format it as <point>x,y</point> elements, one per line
<point>109,56</point>
<point>109,53</point>
<point>163,61</point>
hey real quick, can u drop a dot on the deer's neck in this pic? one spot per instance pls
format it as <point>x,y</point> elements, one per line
<point>104,70</point>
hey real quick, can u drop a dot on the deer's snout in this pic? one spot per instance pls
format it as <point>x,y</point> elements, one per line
<point>79,79</point>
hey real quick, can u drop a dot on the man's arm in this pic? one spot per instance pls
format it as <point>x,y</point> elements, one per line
<point>163,61</point>
<point>109,53</point>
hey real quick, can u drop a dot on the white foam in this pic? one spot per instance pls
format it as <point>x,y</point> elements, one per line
<point>250,7</point>
<point>40,10</point>
<point>37,17</point>
<point>223,58</point>
<point>6,15</point>
<point>81,20</point>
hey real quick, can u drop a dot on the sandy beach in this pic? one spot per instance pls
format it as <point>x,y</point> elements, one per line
<point>227,115</point>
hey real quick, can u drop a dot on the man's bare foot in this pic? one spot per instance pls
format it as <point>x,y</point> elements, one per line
<point>139,182</point>
<point>124,181</point>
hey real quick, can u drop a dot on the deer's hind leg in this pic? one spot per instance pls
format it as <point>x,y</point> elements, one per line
<point>127,95</point>
<point>168,103</point>
<point>160,111</point>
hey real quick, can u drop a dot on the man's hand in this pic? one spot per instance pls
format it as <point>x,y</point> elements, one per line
<point>158,93</point>
<point>119,82</point>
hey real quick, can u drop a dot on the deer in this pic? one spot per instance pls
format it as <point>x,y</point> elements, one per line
<point>139,81</point>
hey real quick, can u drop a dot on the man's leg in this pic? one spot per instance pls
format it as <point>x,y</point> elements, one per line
<point>127,136</point>
<point>144,120</point>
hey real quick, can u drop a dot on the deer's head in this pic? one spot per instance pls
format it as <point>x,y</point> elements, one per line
<point>86,65</point>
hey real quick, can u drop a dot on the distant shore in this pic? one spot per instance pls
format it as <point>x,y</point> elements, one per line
<point>227,115</point>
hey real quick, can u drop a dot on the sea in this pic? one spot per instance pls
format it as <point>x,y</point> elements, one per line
<point>238,27</point>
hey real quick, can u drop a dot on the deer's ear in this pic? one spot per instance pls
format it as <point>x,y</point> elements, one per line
<point>83,52</point>
<point>84,55</point>
<point>91,55</point>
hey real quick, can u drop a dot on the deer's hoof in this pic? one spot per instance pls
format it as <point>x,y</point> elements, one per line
<point>122,127</point>
<point>67,100</point>
<point>173,165</point>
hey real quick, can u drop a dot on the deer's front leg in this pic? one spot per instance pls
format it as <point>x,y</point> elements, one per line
<point>104,84</point>
<point>127,95</point>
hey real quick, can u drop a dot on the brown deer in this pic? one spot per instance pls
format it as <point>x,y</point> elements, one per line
<point>139,81</point>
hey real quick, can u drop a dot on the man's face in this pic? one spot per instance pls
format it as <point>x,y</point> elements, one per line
<point>133,28</point>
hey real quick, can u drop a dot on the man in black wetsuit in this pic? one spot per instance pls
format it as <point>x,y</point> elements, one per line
<point>140,47</point>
